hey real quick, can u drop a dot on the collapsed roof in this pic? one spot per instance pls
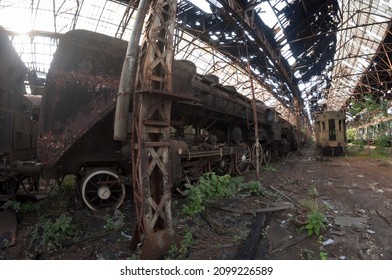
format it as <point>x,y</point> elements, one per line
<point>322,53</point>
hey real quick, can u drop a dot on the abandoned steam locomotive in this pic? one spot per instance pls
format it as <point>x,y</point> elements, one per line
<point>211,124</point>
<point>18,140</point>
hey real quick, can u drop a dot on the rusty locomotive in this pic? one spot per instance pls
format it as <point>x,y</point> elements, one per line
<point>18,140</point>
<point>211,124</point>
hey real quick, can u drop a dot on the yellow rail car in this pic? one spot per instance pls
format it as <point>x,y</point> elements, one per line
<point>330,131</point>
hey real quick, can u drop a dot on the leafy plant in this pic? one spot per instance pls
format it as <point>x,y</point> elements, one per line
<point>306,254</point>
<point>254,188</point>
<point>52,234</point>
<point>323,256</point>
<point>209,187</point>
<point>116,222</point>
<point>313,205</point>
<point>29,207</point>
<point>315,218</point>
<point>351,134</point>
<point>68,183</point>
<point>12,205</point>
<point>175,252</point>
<point>381,143</point>
<point>22,208</point>
<point>374,105</point>
<point>313,192</point>
<point>315,223</point>
<point>269,168</point>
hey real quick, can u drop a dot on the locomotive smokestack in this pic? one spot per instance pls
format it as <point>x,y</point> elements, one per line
<point>128,75</point>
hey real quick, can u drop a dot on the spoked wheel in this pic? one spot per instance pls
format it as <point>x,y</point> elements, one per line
<point>102,189</point>
<point>267,155</point>
<point>261,154</point>
<point>222,167</point>
<point>242,161</point>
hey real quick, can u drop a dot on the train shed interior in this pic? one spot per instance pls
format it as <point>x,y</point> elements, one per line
<point>265,129</point>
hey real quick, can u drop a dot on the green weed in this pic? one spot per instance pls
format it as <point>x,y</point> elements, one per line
<point>51,234</point>
<point>315,223</point>
<point>209,187</point>
<point>181,251</point>
<point>323,256</point>
<point>269,168</point>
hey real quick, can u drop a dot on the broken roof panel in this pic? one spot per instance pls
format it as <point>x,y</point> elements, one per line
<point>363,29</point>
<point>314,50</point>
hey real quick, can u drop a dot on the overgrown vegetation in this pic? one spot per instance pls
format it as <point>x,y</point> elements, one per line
<point>22,208</point>
<point>209,187</point>
<point>377,151</point>
<point>351,135</point>
<point>269,168</point>
<point>315,223</point>
<point>377,106</point>
<point>183,249</point>
<point>315,213</point>
<point>68,183</point>
<point>50,234</point>
<point>212,186</point>
<point>116,222</point>
<point>254,188</point>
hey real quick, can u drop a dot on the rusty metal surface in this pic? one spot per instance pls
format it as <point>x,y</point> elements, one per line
<point>17,129</point>
<point>82,101</point>
<point>80,91</point>
<point>151,131</point>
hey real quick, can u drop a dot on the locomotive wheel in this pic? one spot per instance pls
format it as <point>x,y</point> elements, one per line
<point>222,167</point>
<point>267,155</point>
<point>242,161</point>
<point>102,189</point>
<point>261,154</point>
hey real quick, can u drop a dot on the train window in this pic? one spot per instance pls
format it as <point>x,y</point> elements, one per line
<point>340,125</point>
<point>323,123</point>
<point>269,115</point>
<point>331,130</point>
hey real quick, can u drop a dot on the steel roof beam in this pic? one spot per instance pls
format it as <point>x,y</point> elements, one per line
<point>257,29</point>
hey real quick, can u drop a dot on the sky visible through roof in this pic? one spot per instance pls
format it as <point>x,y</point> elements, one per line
<point>356,39</point>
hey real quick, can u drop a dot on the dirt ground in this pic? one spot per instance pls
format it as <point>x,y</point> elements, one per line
<point>354,193</point>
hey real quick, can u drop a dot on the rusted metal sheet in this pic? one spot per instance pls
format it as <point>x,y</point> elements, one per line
<point>80,91</point>
<point>16,127</point>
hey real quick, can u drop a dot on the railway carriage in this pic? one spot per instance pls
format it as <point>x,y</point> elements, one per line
<point>330,131</point>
